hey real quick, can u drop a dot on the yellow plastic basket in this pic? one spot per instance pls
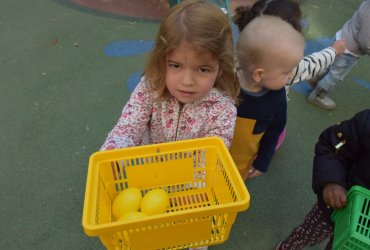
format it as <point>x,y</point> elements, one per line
<point>203,184</point>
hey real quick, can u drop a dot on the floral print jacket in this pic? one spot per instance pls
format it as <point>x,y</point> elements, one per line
<point>146,121</point>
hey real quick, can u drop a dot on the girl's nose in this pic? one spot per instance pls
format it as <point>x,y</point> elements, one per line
<point>188,78</point>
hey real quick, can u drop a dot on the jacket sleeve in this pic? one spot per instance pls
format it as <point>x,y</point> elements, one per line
<point>364,29</point>
<point>221,122</point>
<point>270,138</point>
<point>313,65</point>
<point>131,126</point>
<point>337,148</point>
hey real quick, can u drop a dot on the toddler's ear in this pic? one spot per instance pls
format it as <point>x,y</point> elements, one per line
<point>257,74</point>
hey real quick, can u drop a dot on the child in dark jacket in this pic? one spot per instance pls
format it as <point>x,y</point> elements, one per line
<point>342,160</point>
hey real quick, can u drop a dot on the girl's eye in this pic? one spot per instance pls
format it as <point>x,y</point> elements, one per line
<point>204,70</point>
<point>174,65</point>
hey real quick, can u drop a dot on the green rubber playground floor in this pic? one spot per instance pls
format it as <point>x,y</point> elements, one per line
<point>66,70</point>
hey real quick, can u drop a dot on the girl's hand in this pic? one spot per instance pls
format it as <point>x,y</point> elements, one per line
<point>335,196</point>
<point>252,172</point>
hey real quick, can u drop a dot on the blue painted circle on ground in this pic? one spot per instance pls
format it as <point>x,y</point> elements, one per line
<point>128,48</point>
<point>361,82</point>
<point>133,80</point>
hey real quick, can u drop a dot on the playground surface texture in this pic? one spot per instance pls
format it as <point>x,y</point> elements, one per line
<point>66,70</point>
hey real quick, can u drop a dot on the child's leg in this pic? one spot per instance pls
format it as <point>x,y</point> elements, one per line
<point>341,67</point>
<point>329,246</point>
<point>338,71</point>
<point>315,229</point>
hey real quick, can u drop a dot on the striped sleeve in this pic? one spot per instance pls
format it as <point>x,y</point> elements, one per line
<point>314,64</point>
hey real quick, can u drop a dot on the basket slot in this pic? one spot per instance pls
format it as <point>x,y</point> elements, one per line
<point>103,204</point>
<point>366,207</point>
<point>363,224</point>
<point>219,221</point>
<point>189,201</point>
<point>222,190</point>
<point>122,238</point>
<point>227,180</point>
<point>119,174</point>
<point>200,158</point>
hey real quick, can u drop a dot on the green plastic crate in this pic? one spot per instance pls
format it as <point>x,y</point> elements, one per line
<point>352,224</point>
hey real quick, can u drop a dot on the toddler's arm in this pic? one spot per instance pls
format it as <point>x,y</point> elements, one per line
<point>316,63</point>
<point>269,139</point>
<point>339,46</point>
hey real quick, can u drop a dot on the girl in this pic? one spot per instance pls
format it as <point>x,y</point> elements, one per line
<point>188,88</point>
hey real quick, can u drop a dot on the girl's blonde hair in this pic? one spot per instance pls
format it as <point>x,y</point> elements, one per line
<point>206,28</point>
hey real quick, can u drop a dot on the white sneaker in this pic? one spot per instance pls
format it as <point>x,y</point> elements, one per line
<point>319,97</point>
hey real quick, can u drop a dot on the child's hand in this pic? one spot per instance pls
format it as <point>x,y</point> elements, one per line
<point>335,195</point>
<point>252,172</point>
<point>339,46</point>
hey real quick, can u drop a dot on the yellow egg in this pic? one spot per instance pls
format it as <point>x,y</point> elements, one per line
<point>126,201</point>
<point>155,201</point>
<point>133,215</point>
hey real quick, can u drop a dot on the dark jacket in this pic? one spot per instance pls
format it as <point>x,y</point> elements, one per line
<point>342,156</point>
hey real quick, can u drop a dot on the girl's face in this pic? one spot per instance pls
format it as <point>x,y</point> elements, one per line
<point>190,75</point>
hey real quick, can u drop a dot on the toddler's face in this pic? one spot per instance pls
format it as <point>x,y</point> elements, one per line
<point>190,75</point>
<point>281,70</point>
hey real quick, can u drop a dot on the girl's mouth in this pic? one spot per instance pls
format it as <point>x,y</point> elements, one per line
<point>186,93</point>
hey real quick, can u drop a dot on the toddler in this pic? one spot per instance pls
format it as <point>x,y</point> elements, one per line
<point>307,68</point>
<point>268,52</point>
<point>289,10</point>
